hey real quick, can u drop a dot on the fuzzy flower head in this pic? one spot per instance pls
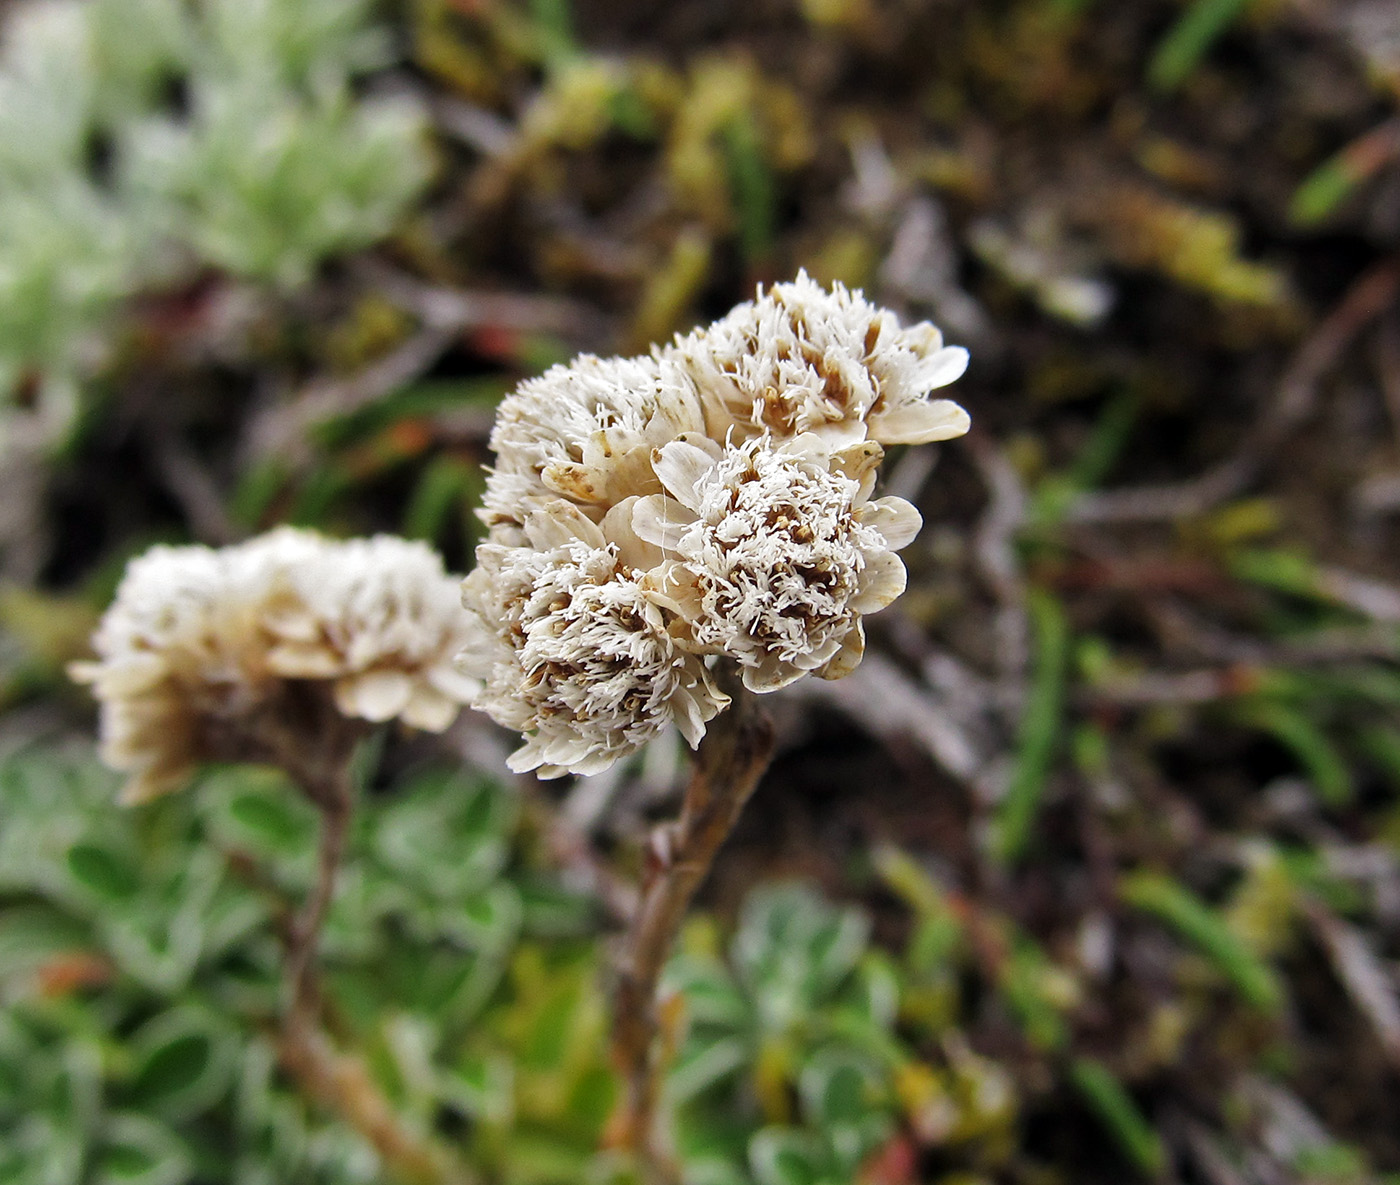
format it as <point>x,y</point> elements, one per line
<point>212,654</point>
<point>775,551</point>
<point>802,359</point>
<point>573,652</point>
<point>585,432</point>
<point>653,518</point>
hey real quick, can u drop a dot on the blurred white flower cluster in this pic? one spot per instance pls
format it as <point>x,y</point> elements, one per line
<point>144,140</point>
<point>650,516</point>
<point>219,654</point>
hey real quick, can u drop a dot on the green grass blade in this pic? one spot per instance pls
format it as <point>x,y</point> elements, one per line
<point>1040,729</point>
<point>1189,40</point>
<point>1204,928</point>
<point>1119,1114</point>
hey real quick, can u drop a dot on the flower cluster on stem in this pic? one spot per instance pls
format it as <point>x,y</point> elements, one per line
<point>649,517</point>
<point>264,650</point>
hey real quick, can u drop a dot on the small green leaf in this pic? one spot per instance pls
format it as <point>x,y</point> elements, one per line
<point>103,872</point>
<point>1189,40</point>
<point>490,921</point>
<point>751,185</point>
<point>1118,1112</point>
<point>703,1064</point>
<point>835,1088</point>
<point>184,1065</point>
<point>1323,190</point>
<point>1040,730</point>
<point>782,1156</point>
<point>482,1086</point>
<point>140,1151</point>
<point>1201,925</point>
<point>32,934</point>
<point>272,820</point>
<point>1327,770</point>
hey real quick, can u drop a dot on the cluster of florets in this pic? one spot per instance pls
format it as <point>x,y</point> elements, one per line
<point>211,655</point>
<point>652,516</point>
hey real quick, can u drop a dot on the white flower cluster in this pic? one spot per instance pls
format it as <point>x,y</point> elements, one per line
<point>649,515</point>
<point>203,647</point>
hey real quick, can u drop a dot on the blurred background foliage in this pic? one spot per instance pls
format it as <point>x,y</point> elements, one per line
<point>1091,873</point>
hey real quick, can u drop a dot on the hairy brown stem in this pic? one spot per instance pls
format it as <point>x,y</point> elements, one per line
<point>730,761</point>
<point>340,1082</point>
<point>343,1084</point>
<point>332,797</point>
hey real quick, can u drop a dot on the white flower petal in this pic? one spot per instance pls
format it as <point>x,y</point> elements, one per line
<point>943,367</point>
<point>919,423</point>
<point>659,520</point>
<point>559,523</point>
<point>375,696</point>
<point>632,550</point>
<point>294,661</point>
<point>848,657</point>
<point>881,582</point>
<point>897,520</point>
<point>428,710</point>
<point>681,466</point>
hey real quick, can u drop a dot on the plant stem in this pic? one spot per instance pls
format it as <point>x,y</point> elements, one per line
<point>728,765</point>
<point>338,1081</point>
<point>342,1084</point>
<point>332,795</point>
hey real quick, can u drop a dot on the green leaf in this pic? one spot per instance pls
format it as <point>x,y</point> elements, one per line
<point>713,1170</point>
<point>836,1088</point>
<point>447,484</point>
<point>1327,769</point>
<point>1189,40</point>
<point>103,872</point>
<point>490,921</point>
<point>1040,730</point>
<point>1118,1112</point>
<point>751,185</point>
<point>552,911</point>
<point>483,1087</point>
<point>446,835</point>
<point>184,1065</point>
<point>784,1156</point>
<point>1324,189</point>
<point>703,1064</point>
<point>140,1151</point>
<point>273,821</point>
<point>1195,921</point>
<point>30,935</point>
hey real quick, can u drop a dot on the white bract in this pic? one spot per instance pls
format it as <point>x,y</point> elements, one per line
<point>653,517</point>
<point>202,648</point>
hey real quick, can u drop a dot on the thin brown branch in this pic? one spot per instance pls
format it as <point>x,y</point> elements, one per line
<point>337,1081</point>
<point>344,1085</point>
<point>1363,974</point>
<point>729,764</point>
<point>333,799</point>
